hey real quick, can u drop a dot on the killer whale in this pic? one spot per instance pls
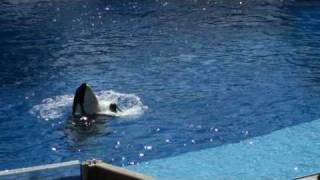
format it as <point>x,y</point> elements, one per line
<point>85,103</point>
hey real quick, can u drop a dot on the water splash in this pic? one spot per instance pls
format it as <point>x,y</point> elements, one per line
<point>59,106</point>
<point>53,108</point>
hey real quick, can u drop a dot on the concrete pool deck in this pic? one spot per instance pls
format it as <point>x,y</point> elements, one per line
<point>284,154</point>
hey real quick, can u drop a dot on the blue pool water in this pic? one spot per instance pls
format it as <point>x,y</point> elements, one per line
<point>191,75</point>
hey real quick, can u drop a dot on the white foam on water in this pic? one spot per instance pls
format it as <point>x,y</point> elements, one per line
<point>53,108</point>
<point>59,106</point>
<point>129,104</point>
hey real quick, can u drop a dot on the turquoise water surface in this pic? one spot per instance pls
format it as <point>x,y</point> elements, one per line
<point>285,154</point>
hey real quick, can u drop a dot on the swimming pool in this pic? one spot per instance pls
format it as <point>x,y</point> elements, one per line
<point>193,75</point>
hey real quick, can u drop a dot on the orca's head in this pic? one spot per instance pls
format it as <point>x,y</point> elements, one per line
<point>83,86</point>
<point>85,101</point>
<point>114,108</point>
